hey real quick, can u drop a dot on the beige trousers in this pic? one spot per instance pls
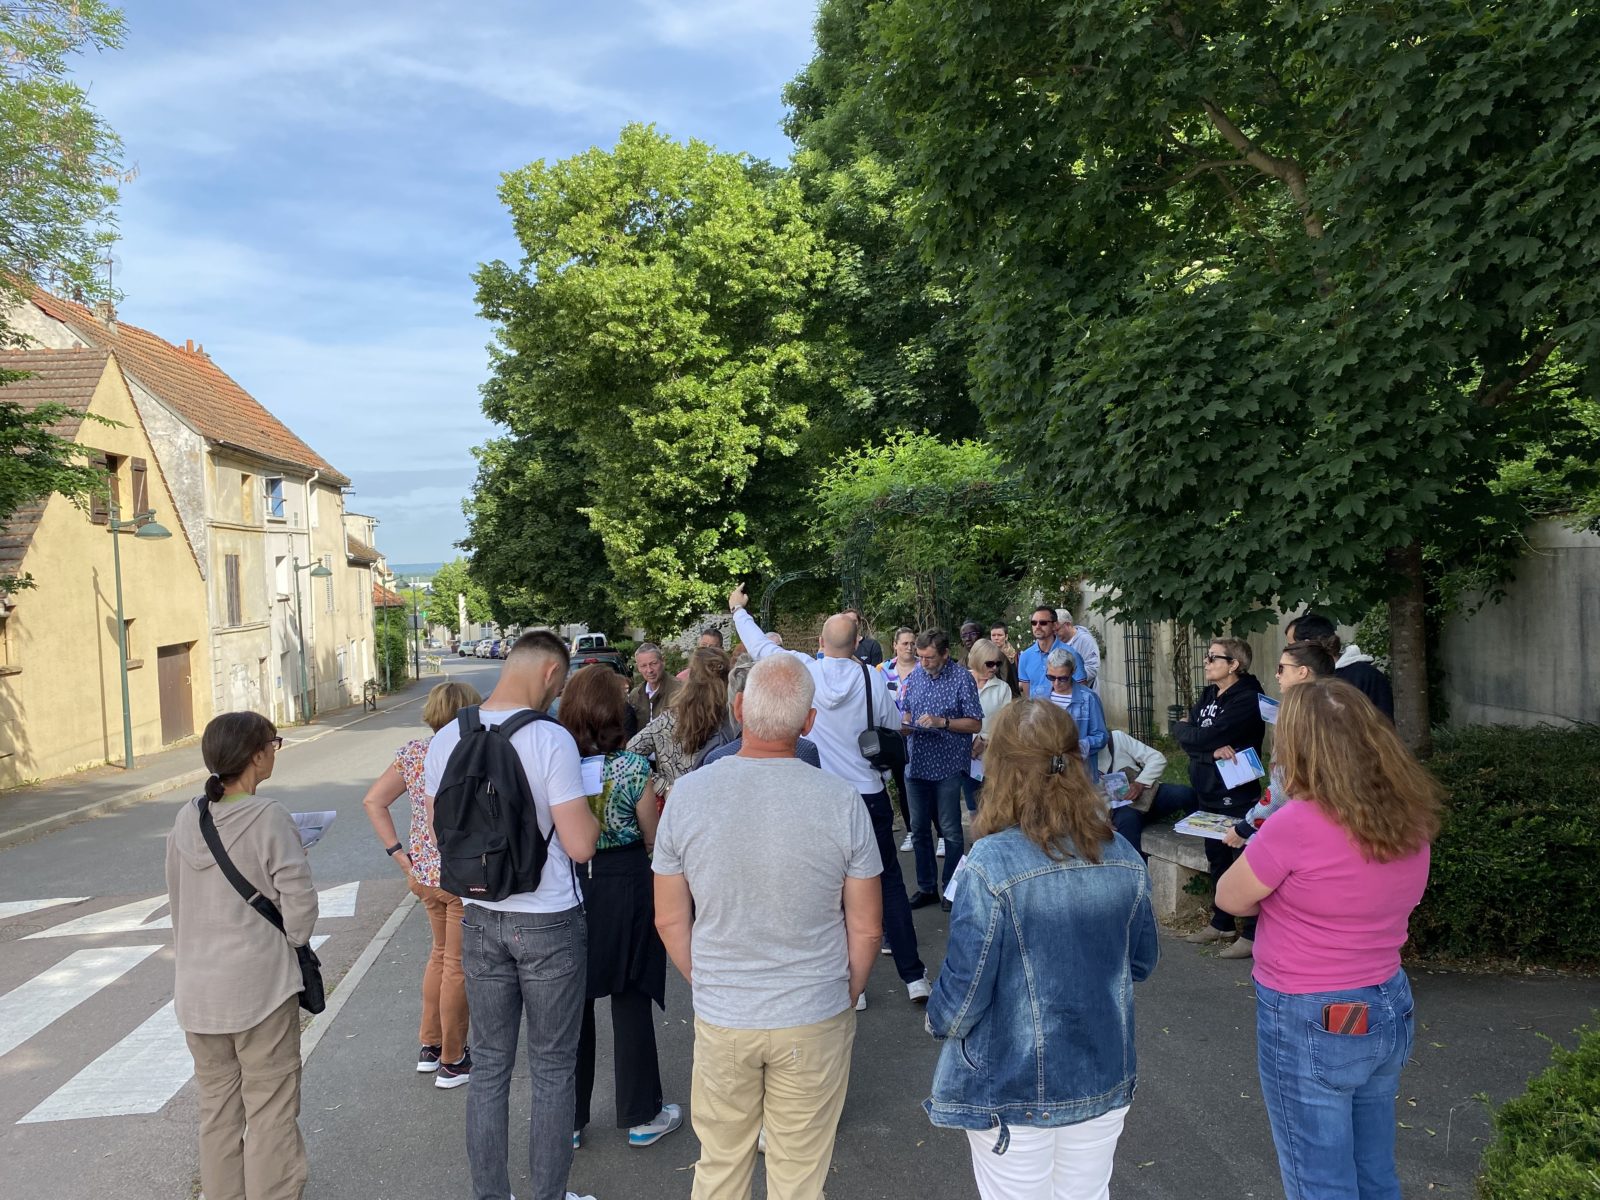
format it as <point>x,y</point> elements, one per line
<point>790,1081</point>
<point>444,987</point>
<point>250,1144</point>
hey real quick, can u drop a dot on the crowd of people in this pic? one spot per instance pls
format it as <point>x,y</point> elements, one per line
<point>632,835</point>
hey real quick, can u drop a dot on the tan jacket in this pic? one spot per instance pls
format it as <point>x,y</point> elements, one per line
<point>648,708</point>
<point>233,968</point>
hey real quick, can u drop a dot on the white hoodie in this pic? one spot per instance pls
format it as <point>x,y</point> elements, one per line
<point>841,704</point>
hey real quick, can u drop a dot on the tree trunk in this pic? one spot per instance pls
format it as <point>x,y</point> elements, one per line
<point>1408,649</point>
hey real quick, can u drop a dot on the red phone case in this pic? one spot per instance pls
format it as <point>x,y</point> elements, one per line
<point>1348,1017</point>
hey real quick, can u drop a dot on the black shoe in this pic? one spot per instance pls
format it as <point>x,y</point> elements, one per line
<point>428,1060</point>
<point>944,906</point>
<point>453,1075</point>
<point>922,899</point>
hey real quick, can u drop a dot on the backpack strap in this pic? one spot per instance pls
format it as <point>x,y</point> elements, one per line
<point>866,682</point>
<point>251,895</point>
<point>467,720</point>
<point>519,721</point>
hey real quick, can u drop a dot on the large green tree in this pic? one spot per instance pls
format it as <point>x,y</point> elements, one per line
<point>650,371</point>
<point>1273,293</point>
<point>454,579</point>
<point>61,165</point>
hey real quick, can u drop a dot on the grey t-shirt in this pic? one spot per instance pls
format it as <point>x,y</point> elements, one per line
<point>766,845</point>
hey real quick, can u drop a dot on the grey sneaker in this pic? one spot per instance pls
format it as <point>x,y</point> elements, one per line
<point>1207,935</point>
<point>669,1118</point>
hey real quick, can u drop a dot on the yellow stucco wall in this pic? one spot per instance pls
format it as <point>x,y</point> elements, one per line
<point>62,708</point>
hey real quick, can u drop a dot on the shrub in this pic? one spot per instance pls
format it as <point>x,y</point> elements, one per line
<point>1547,1144</point>
<point>394,647</point>
<point>1516,869</point>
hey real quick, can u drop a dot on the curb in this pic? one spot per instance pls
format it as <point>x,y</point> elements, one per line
<point>161,787</point>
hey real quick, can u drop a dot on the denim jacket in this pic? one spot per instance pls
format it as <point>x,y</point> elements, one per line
<point>1035,1001</point>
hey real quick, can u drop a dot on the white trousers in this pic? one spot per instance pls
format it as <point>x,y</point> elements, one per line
<point>1066,1162</point>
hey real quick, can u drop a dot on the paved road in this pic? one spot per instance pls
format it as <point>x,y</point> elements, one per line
<point>97,1100</point>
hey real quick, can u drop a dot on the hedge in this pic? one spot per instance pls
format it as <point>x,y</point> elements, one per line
<point>1547,1144</point>
<point>1516,868</point>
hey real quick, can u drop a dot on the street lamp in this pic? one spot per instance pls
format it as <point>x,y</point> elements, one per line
<point>318,571</point>
<point>144,526</point>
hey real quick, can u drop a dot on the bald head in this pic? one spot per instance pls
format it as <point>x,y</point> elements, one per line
<point>839,636</point>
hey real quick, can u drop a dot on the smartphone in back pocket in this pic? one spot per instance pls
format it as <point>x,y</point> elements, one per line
<point>1345,1017</point>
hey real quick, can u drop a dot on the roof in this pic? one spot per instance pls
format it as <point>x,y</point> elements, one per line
<point>382,597</point>
<point>358,551</point>
<point>66,377</point>
<point>194,387</point>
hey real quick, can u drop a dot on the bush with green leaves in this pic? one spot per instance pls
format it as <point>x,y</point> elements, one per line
<point>1516,868</point>
<point>394,649</point>
<point>1548,1139</point>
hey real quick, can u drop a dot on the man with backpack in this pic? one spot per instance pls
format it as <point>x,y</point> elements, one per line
<point>511,818</point>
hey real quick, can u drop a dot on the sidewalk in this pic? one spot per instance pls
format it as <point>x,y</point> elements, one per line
<point>30,812</point>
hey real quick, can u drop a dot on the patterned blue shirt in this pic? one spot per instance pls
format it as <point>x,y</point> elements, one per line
<point>937,753</point>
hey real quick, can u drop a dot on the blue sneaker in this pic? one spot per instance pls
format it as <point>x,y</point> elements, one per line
<point>668,1119</point>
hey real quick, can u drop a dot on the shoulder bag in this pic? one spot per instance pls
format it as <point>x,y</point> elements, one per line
<point>882,747</point>
<point>312,997</point>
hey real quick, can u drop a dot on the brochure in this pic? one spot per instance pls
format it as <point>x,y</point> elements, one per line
<point>1241,768</point>
<point>594,771</point>
<point>1207,825</point>
<point>312,826</point>
<point>950,889</point>
<point>1268,708</point>
<point>975,770</point>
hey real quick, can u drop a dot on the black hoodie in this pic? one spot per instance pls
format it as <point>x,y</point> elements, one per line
<point>1230,719</point>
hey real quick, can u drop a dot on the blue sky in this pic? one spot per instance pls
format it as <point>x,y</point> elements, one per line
<point>317,183</point>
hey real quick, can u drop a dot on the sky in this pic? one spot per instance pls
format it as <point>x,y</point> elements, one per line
<point>317,183</point>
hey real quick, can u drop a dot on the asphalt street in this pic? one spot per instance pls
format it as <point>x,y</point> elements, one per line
<point>94,1098</point>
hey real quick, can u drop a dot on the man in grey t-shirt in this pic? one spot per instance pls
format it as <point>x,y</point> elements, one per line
<point>768,901</point>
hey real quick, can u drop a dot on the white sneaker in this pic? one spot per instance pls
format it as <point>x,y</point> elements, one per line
<point>919,990</point>
<point>570,1196</point>
<point>761,1140</point>
<point>861,1002</point>
<point>886,949</point>
<point>905,846</point>
<point>939,853</point>
<point>648,1134</point>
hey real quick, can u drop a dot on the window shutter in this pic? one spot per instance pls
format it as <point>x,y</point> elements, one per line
<point>141,486</point>
<point>235,598</point>
<point>99,500</point>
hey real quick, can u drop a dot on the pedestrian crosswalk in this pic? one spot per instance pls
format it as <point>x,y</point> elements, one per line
<point>143,1070</point>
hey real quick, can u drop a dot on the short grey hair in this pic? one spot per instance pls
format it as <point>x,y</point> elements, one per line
<point>648,648</point>
<point>777,697</point>
<point>1064,617</point>
<point>1062,657</point>
<point>737,679</point>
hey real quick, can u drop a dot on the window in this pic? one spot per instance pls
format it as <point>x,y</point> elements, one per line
<point>109,494</point>
<point>342,663</point>
<point>327,561</point>
<point>230,571</point>
<point>274,495</point>
<point>139,471</point>
<point>134,661</point>
<point>7,667</point>
<point>247,499</point>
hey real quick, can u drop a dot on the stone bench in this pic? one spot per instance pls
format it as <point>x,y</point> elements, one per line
<point>1175,859</point>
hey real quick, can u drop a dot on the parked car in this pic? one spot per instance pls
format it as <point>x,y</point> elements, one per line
<point>467,649</point>
<point>482,649</point>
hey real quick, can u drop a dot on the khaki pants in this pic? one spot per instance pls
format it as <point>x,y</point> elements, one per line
<point>444,987</point>
<point>250,1144</point>
<point>792,1081</point>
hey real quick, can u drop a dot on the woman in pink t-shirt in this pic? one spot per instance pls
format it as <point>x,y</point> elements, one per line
<point>1334,877</point>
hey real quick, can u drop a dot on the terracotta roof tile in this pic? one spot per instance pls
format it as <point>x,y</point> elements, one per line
<point>382,597</point>
<point>193,386</point>
<point>358,551</point>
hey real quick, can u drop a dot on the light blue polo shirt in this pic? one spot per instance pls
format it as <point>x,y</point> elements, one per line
<point>1031,668</point>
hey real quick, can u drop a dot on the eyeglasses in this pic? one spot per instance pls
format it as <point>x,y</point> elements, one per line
<point>276,743</point>
<point>1037,623</point>
<point>1211,658</point>
<point>1058,678</point>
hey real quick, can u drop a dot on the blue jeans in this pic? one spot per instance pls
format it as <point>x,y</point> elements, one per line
<point>928,798</point>
<point>971,790</point>
<point>533,965</point>
<point>898,932</point>
<point>1330,1096</point>
<point>1170,798</point>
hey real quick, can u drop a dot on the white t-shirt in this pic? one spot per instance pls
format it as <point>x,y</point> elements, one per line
<point>555,776</point>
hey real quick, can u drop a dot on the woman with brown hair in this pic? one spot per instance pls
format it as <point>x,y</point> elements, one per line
<point>444,986</point>
<point>627,961</point>
<point>1050,929</point>
<point>676,742</point>
<point>1334,876</point>
<point>238,986</point>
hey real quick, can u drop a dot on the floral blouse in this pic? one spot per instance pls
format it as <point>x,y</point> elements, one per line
<point>408,761</point>
<point>625,777</point>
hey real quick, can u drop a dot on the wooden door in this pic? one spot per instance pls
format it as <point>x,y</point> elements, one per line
<point>177,698</point>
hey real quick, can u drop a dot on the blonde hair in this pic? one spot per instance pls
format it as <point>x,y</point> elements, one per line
<point>445,701</point>
<point>1337,751</point>
<point>983,650</point>
<point>702,705</point>
<point>1035,781</point>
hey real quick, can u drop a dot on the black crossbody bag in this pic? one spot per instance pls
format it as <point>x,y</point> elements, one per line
<point>312,997</point>
<point>883,748</point>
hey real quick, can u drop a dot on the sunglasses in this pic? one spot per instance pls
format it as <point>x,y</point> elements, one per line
<point>1041,622</point>
<point>1211,658</point>
<point>990,664</point>
<point>1059,678</point>
<point>1282,667</point>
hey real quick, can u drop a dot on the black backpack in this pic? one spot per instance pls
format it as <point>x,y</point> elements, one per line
<point>484,819</point>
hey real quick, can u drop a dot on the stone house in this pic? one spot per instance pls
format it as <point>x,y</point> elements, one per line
<point>60,661</point>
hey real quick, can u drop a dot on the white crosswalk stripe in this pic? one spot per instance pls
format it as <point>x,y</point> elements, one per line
<point>140,1074</point>
<point>337,901</point>
<point>125,918</point>
<point>17,908</point>
<point>27,1009</point>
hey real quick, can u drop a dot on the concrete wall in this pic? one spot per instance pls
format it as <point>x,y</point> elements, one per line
<point>343,645</point>
<point>243,675</point>
<point>1535,656</point>
<point>60,695</point>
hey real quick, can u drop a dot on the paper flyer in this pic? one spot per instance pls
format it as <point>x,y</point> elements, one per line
<point>950,888</point>
<point>1241,768</point>
<point>975,770</point>
<point>1206,825</point>
<point>594,771</point>
<point>311,826</point>
<point>1268,708</point>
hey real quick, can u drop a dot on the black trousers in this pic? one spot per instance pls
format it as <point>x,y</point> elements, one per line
<point>638,1074</point>
<point>899,777</point>
<point>1219,857</point>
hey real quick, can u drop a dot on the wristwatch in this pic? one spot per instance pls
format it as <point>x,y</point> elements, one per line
<point>391,850</point>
